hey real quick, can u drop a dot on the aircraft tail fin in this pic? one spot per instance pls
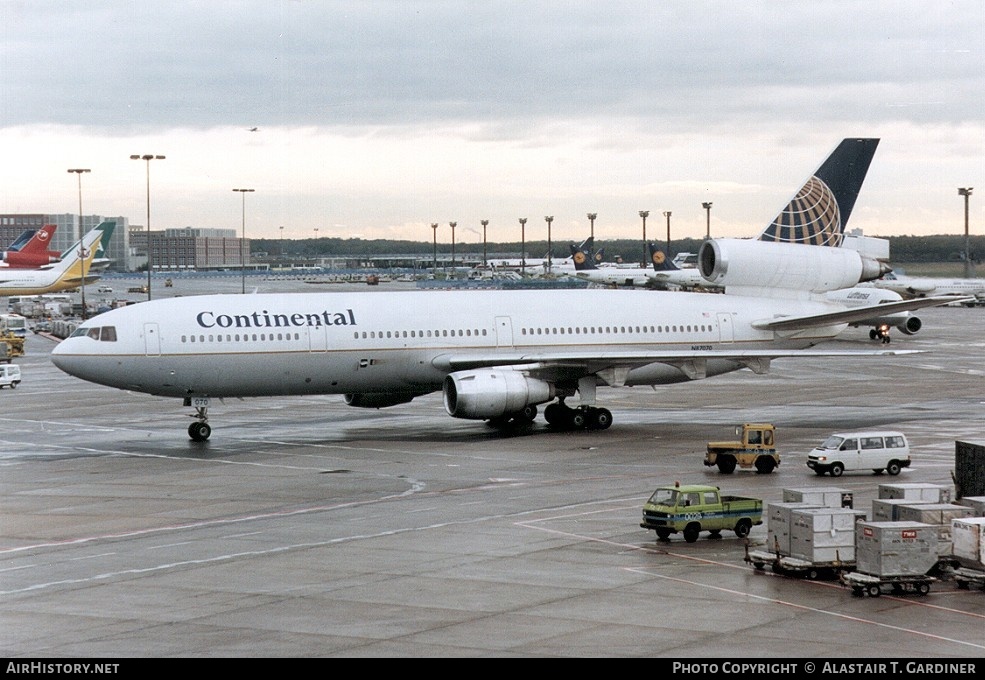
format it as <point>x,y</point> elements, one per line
<point>38,244</point>
<point>582,255</point>
<point>817,215</point>
<point>658,256</point>
<point>22,240</point>
<point>79,257</point>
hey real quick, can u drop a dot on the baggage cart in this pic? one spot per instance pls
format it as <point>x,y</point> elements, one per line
<point>872,585</point>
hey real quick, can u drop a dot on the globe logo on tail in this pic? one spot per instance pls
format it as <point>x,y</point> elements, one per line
<point>812,217</point>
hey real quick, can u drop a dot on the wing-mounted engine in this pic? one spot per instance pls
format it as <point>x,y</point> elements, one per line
<point>379,399</point>
<point>910,326</point>
<point>493,392</point>
<point>741,263</point>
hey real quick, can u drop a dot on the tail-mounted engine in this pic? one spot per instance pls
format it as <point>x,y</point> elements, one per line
<point>790,266</point>
<point>493,392</point>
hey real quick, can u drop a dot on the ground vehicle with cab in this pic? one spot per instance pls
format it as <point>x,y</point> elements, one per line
<point>10,375</point>
<point>757,448</point>
<point>692,508</point>
<point>849,451</point>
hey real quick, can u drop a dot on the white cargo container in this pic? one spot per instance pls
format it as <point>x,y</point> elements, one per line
<point>968,541</point>
<point>779,518</point>
<point>917,491</point>
<point>892,549</point>
<point>820,496</point>
<point>824,535</point>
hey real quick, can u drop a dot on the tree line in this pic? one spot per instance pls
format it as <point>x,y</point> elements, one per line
<point>936,248</point>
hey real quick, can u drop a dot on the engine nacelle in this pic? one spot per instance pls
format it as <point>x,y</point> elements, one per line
<point>378,399</point>
<point>492,392</point>
<point>912,325</point>
<point>791,266</point>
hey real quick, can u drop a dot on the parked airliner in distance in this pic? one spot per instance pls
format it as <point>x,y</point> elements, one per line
<point>67,273</point>
<point>34,252</point>
<point>928,286</point>
<point>498,355</point>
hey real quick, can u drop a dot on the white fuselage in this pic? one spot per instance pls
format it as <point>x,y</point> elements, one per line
<point>928,286</point>
<point>340,343</point>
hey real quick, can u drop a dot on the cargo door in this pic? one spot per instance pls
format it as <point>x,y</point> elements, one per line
<point>152,339</point>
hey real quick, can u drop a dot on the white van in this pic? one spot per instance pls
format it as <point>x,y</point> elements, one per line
<point>10,374</point>
<point>876,451</point>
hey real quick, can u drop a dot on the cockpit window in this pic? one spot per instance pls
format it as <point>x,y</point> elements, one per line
<point>100,333</point>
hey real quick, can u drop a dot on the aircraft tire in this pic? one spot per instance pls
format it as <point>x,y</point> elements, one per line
<point>599,419</point>
<point>199,432</point>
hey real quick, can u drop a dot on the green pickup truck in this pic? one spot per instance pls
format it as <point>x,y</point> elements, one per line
<point>693,508</point>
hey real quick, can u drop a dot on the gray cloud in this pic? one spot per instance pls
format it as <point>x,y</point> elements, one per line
<point>202,64</point>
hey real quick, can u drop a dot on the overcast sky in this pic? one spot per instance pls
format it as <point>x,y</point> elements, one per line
<point>376,119</point>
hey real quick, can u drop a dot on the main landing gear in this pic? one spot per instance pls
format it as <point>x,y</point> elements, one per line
<point>563,417</point>
<point>880,333</point>
<point>200,430</point>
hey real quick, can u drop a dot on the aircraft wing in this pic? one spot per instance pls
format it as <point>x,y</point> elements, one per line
<point>612,367</point>
<point>796,323</point>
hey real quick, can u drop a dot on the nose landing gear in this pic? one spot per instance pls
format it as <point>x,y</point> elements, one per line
<point>200,430</point>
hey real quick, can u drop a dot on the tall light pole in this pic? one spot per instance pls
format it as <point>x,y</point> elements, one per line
<point>667,215</point>
<point>484,223</point>
<point>148,158</point>
<point>549,219</point>
<point>82,253</point>
<point>644,214</point>
<point>282,243</point>
<point>523,246</point>
<point>434,249</point>
<point>591,218</point>
<point>707,206</point>
<point>966,192</point>
<point>453,225</point>
<point>242,260</point>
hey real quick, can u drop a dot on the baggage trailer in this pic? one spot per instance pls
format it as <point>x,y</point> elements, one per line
<point>795,566</point>
<point>964,577</point>
<point>872,585</point>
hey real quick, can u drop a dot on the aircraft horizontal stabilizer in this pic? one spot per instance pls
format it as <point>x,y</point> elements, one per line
<point>796,323</point>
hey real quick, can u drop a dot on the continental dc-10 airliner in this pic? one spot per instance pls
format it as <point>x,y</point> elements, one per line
<point>498,355</point>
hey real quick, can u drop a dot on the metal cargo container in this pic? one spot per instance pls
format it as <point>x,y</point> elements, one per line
<point>976,503</point>
<point>886,549</point>
<point>824,535</point>
<point>917,491</point>
<point>968,541</point>
<point>778,523</point>
<point>938,514</point>
<point>821,496</point>
<point>887,509</point>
